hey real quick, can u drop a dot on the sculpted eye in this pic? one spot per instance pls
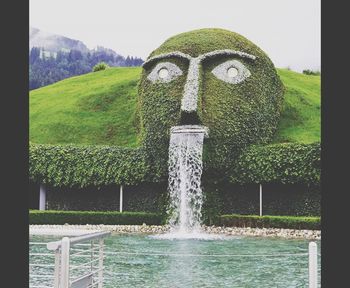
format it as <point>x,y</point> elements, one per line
<point>164,72</point>
<point>231,71</point>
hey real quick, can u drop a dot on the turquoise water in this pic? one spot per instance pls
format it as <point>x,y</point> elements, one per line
<point>143,261</point>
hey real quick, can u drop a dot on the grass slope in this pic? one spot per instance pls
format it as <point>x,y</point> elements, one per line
<point>95,108</point>
<point>301,114</point>
<point>99,108</point>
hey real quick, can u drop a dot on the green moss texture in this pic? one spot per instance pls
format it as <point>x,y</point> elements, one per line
<point>237,115</point>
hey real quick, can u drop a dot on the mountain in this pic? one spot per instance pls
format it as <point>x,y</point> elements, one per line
<point>54,43</point>
<point>99,108</point>
<point>54,57</point>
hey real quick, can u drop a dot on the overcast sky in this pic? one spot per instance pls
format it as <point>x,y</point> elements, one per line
<point>287,30</point>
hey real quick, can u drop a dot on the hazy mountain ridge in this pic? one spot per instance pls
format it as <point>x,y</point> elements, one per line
<point>53,42</point>
<point>54,57</point>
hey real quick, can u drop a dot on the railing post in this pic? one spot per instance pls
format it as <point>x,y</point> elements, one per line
<point>64,283</point>
<point>42,197</point>
<point>312,265</point>
<point>57,269</point>
<point>121,199</point>
<point>100,264</point>
<point>260,199</point>
<point>92,255</point>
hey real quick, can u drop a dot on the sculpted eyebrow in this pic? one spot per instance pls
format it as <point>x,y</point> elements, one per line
<point>226,52</point>
<point>177,54</point>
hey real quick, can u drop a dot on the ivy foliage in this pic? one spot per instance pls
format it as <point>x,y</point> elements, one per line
<point>158,110</point>
<point>237,115</point>
<point>83,166</point>
<point>282,163</point>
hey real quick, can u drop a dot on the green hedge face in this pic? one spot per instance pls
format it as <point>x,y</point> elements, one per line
<point>236,114</point>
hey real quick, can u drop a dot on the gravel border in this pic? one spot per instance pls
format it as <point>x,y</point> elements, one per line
<point>73,230</point>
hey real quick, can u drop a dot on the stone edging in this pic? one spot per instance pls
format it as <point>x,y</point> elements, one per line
<point>153,229</point>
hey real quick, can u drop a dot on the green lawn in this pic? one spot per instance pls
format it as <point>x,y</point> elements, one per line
<point>301,115</point>
<point>95,108</point>
<point>99,108</point>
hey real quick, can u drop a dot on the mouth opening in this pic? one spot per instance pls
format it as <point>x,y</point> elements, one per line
<point>189,118</point>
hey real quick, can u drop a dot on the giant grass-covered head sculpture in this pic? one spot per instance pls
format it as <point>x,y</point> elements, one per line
<point>212,77</point>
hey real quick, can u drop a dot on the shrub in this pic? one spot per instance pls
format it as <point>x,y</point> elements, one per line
<point>279,163</point>
<point>100,66</point>
<point>81,166</point>
<point>287,222</point>
<point>93,217</point>
<point>311,72</point>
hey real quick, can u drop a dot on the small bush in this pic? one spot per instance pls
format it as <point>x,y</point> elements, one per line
<point>93,217</point>
<point>311,72</point>
<point>287,222</point>
<point>100,66</point>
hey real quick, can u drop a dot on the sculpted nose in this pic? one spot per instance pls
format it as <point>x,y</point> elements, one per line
<point>189,99</point>
<point>190,94</point>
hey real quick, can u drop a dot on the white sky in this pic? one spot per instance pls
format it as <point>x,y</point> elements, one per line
<point>287,30</point>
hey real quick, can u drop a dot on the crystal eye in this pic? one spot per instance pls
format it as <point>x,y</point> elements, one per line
<point>164,72</point>
<point>231,71</point>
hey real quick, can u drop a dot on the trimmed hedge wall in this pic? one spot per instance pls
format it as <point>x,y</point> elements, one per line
<point>82,166</point>
<point>281,163</point>
<point>287,222</point>
<point>93,217</point>
<point>138,218</point>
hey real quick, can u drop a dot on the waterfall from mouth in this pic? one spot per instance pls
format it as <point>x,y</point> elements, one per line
<point>185,170</point>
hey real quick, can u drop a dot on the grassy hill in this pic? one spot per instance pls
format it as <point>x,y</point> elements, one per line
<point>301,115</point>
<point>95,108</point>
<point>99,108</point>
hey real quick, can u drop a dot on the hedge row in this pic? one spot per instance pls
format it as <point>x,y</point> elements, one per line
<point>138,218</point>
<point>93,217</point>
<point>82,166</point>
<point>279,163</point>
<point>287,222</point>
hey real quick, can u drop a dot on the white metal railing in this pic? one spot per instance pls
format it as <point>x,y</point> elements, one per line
<point>41,266</point>
<point>76,262</point>
<point>312,255</point>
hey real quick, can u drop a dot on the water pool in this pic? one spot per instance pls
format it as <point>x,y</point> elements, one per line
<point>138,260</point>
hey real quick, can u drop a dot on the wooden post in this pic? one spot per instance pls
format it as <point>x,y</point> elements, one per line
<point>121,199</point>
<point>42,197</point>
<point>260,200</point>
